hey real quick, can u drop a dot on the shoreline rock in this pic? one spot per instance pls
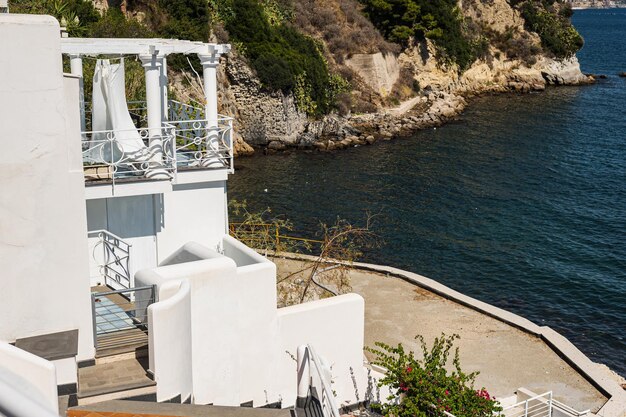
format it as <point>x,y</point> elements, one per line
<point>271,122</point>
<point>334,133</point>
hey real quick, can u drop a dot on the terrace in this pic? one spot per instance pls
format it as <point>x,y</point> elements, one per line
<point>156,140</point>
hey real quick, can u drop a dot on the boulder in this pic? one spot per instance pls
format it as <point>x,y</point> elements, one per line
<point>276,145</point>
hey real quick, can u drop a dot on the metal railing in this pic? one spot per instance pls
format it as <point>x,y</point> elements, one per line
<point>537,406</point>
<point>113,311</point>
<point>203,143</point>
<point>114,265</point>
<point>113,155</point>
<point>566,409</point>
<point>272,237</point>
<point>314,391</point>
<point>186,140</point>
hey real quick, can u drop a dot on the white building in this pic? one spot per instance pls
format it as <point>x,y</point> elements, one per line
<point>132,197</point>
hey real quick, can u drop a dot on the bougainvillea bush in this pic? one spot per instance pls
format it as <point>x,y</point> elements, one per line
<point>425,386</point>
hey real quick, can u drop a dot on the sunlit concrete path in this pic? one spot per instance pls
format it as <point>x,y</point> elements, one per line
<point>507,358</point>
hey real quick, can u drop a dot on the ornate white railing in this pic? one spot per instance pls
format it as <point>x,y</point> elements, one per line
<point>204,143</point>
<point>113,155</point>
<point>187,140</point>
<point>114,261</point>
<point>314,390</point>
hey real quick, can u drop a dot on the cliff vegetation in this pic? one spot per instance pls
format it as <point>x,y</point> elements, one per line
<point>309,72</point>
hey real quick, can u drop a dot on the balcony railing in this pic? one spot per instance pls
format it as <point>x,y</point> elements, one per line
<point>186,141</point>
<point>114,155</point>
<point>202,144</point>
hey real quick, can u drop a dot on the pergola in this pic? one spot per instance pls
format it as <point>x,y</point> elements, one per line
<point>153,54</point>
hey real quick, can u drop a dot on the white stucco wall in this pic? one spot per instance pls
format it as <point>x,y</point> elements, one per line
<point>240,339</point>
<point>43,241</point>
<point>192,212</point>
<point>335,328</point>
<point>170,320</point>
<point>30,375</point>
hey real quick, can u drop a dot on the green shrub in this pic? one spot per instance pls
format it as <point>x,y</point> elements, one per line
<point>551,22</point>
<point>283,58</point>
<point>113,24</point>
<point>76,15</point>
<point>185,19</point>
<point>438,20</point>
<point>425,387</point>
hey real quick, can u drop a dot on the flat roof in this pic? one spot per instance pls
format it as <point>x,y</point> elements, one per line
<point>136,46</point>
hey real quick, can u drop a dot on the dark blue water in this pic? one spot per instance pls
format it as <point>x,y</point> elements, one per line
<point>521,203</point>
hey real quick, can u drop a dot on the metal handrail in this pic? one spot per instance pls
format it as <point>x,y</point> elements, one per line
<point>111,245</point>
<point>134,289</point>
<point>535,409</point>
<point>569,409</point>
<point>306,356</point>
<point>113,235</point>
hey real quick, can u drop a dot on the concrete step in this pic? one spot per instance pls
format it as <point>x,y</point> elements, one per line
<point>114,380</point>
<point>123,342</point>
<point>143,408</point>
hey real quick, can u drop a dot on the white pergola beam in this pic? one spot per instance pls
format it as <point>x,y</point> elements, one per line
<point>115,46</point>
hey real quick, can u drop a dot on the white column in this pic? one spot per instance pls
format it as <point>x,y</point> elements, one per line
<point>210,61</point>
<point>152,64</point>
<point>76,68</point>
<point>164,82</point>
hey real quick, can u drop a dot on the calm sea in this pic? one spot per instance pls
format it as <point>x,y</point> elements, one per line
<point>521,203</point>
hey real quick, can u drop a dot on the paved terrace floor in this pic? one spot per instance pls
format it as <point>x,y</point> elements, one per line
<point>507,358</point>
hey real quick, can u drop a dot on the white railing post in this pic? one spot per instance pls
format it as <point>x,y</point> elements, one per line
<point>550,405</point>
<point>304,375</point>
<point>103,272</point>
<point>526,408</point>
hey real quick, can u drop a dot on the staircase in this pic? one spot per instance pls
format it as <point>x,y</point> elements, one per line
<point>151,409</point>
<point>116,378</point>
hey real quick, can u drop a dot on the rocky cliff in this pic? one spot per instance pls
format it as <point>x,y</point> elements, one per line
<point>272,121</point>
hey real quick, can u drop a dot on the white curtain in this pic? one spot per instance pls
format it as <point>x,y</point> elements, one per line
<point>110,113</point>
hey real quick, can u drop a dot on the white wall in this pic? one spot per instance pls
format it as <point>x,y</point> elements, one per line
<point>133,219</point>
<point>192,212</point>
<point>240,339</point>
<point>43,233</point>
<point>170,341</point>
<point>29,374</point>
<point>214,315</point>
<point>335,328</point>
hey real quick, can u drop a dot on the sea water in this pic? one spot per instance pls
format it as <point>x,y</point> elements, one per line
<point>521,203</point>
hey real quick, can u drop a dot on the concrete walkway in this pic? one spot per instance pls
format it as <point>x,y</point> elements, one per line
<point>121,408</point>
<point>508,358</point>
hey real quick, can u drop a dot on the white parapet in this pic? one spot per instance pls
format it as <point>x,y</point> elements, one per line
<point>242,346</point>
<point>27,383</point>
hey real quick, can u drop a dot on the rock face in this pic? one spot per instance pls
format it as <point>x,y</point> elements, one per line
<point>379,71</point>
<point>261,116</point>
<point>564,72</point>
<point>272,120</point>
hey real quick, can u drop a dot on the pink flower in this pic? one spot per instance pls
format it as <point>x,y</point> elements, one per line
<point>409,369</point>
<point>403,386</point>
<point>447,392</point>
